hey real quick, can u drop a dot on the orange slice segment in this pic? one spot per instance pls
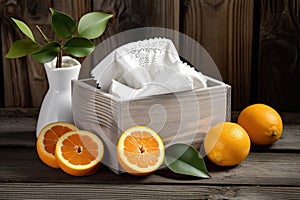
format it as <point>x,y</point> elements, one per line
<point>47,140</point>
<point>140,150</point>
<point>79,152</point>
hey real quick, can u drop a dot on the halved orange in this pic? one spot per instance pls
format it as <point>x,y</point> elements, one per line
<point>47,139</point>
<point>140,150</point>
<point>79,152</point>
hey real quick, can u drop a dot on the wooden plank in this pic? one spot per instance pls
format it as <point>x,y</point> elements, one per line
<point>21,165</point>
<point>74,8</point>
<point>19,112</point>
<point>20,131</point>
<point>279,62</point>
<point>134,14</point>
<point>117,191</point>
<point>224,29</point>
<point>24,79</point>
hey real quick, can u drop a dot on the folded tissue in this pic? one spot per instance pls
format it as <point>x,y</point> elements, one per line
<point>145,68</point>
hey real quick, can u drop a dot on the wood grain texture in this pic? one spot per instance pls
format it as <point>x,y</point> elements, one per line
<point>265,169</point>
<point>25,82</point>
<point>279,61</point>
<point>24,79</point>
<point>74,8</point>
<point>267,173</point>
<point>97,191</point>
<point>142,13</point>
<point>18,129</point>
<point>224,29</point>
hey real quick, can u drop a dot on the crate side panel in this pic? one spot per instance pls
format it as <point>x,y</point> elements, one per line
<point>97,113</point>
<point>186,115</point>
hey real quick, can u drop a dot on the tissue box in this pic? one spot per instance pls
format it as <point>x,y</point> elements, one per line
<point>183,117</point>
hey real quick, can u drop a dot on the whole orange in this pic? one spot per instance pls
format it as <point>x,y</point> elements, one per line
<point>262,123</point>
<point>227,144</point>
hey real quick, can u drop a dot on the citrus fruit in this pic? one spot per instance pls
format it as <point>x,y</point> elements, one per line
<point>47,139</point>
<point>140,150</point>
<point>79,152</point>
<point>227,144</point>
<point>262,123</point>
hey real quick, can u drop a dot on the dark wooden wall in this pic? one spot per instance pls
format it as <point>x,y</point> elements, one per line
<point>224,28</point>
<point>24,82</point>
<point>254,43</point>
<point>278,72</point>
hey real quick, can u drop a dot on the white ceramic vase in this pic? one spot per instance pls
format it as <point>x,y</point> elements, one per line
<point>57,103</point>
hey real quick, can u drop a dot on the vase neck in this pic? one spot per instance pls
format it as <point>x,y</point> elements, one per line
<point>60,78</point>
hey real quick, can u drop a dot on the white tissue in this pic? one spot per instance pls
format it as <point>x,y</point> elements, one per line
<point>145,68</point>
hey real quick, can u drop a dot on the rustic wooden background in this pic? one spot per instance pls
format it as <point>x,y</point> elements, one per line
<point>255,43</point>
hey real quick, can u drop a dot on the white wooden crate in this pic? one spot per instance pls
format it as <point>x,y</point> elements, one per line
<point>178,117</point>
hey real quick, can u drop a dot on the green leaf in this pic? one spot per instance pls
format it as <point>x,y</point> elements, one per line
<point>47,53</point>
<point>22,48</point>
<point>79,47</point>
<point>24,28</point>
<point>93,24</point>
<point>185,159</point>
<point>63,25</point>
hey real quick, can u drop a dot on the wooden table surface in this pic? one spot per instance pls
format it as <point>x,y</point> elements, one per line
<point>267,173</point>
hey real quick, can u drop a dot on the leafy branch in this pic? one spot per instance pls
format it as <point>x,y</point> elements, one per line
<point>73,38</point>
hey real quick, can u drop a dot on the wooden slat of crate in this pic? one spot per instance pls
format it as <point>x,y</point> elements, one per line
<point>176,114</point>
